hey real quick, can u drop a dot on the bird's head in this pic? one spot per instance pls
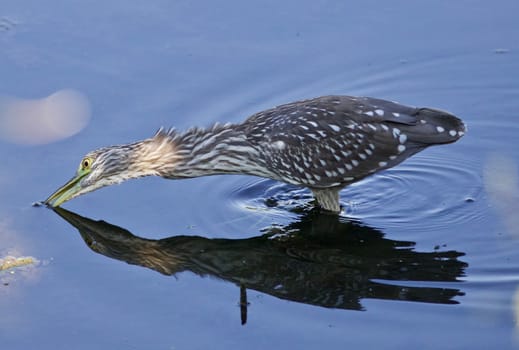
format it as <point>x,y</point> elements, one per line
<point>102,167</point>
<point>165,154</point>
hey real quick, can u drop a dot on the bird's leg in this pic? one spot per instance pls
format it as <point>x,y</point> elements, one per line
<point>328,199</point>
<point>243,304</point>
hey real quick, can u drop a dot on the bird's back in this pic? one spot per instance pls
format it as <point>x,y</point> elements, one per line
<point>331,141</point>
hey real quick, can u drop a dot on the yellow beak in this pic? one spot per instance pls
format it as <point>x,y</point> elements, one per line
<point>65,192</point>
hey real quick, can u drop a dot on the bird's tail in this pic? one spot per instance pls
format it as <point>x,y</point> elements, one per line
<point>436,127</point>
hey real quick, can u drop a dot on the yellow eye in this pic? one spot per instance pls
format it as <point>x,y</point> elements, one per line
<point>86,163</point>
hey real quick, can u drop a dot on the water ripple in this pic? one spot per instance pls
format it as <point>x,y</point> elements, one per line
<point>428,190</point>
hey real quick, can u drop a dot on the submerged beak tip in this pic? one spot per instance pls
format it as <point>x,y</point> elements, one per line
<point>50,204</point>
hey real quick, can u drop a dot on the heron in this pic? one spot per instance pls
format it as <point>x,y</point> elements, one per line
<point>324,144</point>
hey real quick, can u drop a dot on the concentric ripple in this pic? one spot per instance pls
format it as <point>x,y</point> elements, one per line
<point>426,189</point>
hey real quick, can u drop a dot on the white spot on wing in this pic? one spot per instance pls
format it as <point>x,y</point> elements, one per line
<point>453,132</point>
<point>402,138</point>
<point>369,113</point>
<point>382,164</point>
<point>279,145</point>
<point>440,129</point>
<point>335,127</point>
<point>396,114</point>
<point>401,148</point>
<point>380,112</point>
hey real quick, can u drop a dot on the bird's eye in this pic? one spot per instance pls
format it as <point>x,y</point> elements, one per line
<point>86,163</point>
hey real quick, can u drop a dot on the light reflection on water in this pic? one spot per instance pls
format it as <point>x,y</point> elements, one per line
<point>39,121</point>
<point>502,185</point>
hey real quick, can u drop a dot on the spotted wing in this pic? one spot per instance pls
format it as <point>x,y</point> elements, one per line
<point>336,140</point>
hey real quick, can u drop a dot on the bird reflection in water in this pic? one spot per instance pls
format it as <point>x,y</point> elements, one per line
<point>318,260</point>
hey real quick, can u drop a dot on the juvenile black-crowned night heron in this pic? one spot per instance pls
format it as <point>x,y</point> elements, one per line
<point>325,144</point>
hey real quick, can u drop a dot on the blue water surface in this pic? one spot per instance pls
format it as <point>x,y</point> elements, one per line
<point>425,255</point>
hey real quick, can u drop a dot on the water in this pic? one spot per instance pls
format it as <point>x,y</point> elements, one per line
<point>426,254</point>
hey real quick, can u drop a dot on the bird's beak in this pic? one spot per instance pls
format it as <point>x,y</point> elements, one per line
<point>65,192</point>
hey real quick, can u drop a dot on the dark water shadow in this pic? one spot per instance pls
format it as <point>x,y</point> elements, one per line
<point>319,260</point>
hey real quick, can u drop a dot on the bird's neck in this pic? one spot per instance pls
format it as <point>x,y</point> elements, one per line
<point>221,149</point>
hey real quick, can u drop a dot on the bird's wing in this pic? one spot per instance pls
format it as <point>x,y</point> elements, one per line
<point>332,141</point>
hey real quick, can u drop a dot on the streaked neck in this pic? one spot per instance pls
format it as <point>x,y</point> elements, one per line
<point>200,152</point>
